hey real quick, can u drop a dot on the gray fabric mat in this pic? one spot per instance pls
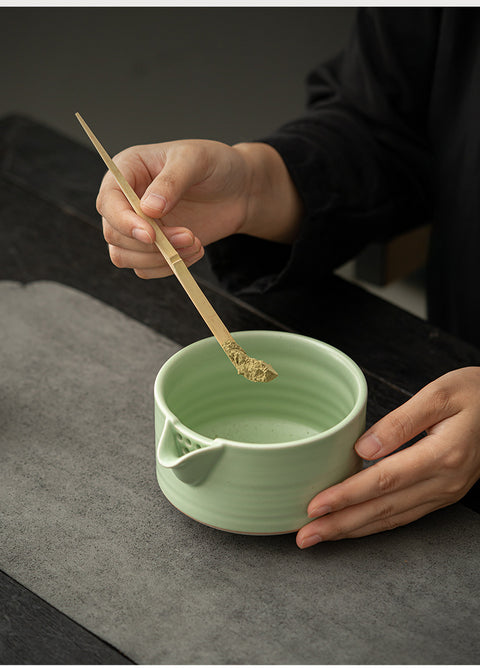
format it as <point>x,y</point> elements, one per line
<point>84,524</point>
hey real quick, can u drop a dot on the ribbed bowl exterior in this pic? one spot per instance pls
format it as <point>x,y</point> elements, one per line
<point>281,442</point>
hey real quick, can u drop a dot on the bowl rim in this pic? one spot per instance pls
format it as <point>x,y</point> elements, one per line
<point>356,410</point>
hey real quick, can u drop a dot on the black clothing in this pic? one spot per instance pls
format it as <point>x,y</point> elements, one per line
<point>390,140</point>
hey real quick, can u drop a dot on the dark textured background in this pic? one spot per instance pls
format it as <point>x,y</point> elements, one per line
<point>149,74</point>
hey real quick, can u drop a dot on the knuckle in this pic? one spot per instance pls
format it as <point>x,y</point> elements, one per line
<point>183,149</point>
<point>99,202</point>
<point>126,153</point>
<point>116,256</point>
<point>441,401</point>
<point>202,154</point>
<point>108,232</point>
<point>103,195</point>
<point>333,530</point>
<point>401,425</point>
<point>455,489</point>
<point>143,273</point>
<point>343,498</point>
<point>386,481</point>
<point>391,522</point>
<point>386,513</point>
<point>335,525</point>
<point>453,459</point>
<point>169,182</point>
<point>190,150</point>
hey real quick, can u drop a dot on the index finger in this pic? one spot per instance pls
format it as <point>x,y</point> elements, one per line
<point>432,404</point>
<point>114,207</point>
<point>394,473</point>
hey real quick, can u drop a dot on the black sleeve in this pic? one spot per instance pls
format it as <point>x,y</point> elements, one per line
<point>359,157</point>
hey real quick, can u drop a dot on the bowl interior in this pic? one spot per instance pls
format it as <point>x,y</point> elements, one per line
<point>317,388</point>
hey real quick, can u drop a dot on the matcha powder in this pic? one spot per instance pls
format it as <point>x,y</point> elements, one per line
<point>254,370</point>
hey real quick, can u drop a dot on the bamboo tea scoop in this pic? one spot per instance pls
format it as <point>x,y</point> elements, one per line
<point>253,369</point>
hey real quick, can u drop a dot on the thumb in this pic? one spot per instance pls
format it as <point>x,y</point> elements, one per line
<point>425,409</point>
<point>182,169</point>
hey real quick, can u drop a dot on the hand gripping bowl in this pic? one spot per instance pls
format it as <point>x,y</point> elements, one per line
<point>248,457</point>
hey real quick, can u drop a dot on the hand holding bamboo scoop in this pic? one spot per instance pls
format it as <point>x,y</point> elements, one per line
<point>253,369</point>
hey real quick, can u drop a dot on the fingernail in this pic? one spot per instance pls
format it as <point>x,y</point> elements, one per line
<point>368,446</point>
<point>182,240</point>
<point>319,511</point>
<point>156,202</point>
<point>141,235</point>
<point>310,540</point>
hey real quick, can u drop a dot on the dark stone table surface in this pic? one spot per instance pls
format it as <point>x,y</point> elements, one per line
<point>50,231</point>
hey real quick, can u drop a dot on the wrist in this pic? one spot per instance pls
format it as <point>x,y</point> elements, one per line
<point>273,208</point>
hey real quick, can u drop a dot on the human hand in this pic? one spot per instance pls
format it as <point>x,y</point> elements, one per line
<point>203,191</point>
<point>434,472</point>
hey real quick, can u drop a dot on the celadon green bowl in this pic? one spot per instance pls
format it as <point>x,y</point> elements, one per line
<point>248,457</point>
